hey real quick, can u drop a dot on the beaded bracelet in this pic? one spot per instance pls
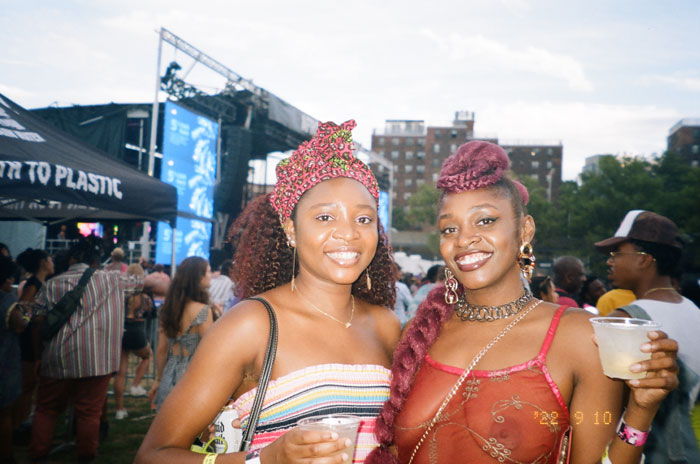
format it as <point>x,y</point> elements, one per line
<point>630,435</point>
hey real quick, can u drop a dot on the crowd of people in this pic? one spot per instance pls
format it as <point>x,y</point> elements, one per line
<point>486,358</point>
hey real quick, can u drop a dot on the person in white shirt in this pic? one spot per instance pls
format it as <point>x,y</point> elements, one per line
<point>221,288</point>
<point>645,254</point>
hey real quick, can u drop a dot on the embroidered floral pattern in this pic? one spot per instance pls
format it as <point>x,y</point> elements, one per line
<point>329,154</point>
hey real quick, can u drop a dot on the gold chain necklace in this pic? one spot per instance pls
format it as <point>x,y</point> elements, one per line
<point>656,289</point>
<point>346,324</point>
<point>471,312</point>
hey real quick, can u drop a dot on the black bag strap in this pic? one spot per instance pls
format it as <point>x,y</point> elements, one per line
<point>50,329</point>
<point>264,376</point>
<point>84,279</point>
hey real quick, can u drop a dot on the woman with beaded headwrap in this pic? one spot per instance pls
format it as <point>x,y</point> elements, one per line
<point>315,250</point>
<point>486,373</point>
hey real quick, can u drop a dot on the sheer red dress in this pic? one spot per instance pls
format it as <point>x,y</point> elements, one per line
<point>511,415</point>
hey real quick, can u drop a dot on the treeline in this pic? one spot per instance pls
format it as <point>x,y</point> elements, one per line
<point>591,209</point>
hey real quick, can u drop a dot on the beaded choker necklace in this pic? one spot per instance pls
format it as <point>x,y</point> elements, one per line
<point>470,312</point>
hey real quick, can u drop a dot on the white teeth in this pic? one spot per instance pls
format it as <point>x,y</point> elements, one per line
<point>343,256</point>
<point>472,258</point>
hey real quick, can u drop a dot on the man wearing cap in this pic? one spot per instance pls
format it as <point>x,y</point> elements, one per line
<point>644,253</point>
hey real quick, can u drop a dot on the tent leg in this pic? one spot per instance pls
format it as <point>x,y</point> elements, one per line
<point>172,255</point>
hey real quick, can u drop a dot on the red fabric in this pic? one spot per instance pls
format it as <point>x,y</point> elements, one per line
<point>516,414</point>
<point>565,300</point>
<point>88,396</point>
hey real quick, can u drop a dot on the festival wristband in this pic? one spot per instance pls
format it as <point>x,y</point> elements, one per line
<point>210,458</point>
<point>630,435</point>
<point>606,459</point>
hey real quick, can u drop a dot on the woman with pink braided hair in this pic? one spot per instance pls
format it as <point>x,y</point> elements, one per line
<point>485,373</point>
<point>315,251</point>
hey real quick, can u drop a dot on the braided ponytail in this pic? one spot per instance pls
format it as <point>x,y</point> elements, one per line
<point>408,357</point>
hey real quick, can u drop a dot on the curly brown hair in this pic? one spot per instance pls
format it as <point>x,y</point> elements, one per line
<point>263,260</point>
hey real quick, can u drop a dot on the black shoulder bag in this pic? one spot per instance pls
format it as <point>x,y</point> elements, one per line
<point>65,307</point>
<point>264,377</point>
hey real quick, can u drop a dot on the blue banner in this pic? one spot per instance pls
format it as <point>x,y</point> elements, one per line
<point>189,164</point>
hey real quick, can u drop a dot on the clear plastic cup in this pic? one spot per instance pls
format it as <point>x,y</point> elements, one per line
<point>619,344</point>
<point>345,425</point>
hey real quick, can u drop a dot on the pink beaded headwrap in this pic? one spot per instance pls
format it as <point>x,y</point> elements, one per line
<point>329,154</point>
<point>476,165</point>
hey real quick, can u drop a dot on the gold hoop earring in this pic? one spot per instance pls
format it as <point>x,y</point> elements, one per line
<point>294,265</point>
<point>526,260</point>
<point>451,284</point>
<point>369,281</point>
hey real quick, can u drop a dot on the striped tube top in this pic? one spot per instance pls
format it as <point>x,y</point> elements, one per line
<point>359,389</point>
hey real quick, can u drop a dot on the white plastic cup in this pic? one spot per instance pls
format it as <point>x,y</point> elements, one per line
<point>345,425</point>
<point>619,344</point>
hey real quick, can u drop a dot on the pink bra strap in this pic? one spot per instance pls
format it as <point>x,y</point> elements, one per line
<point>550,333</point>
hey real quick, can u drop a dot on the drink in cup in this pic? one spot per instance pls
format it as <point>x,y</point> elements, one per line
<point>619,344</point>
<point>345,425</point>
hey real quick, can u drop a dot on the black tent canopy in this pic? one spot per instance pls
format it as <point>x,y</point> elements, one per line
<point>47,175</point>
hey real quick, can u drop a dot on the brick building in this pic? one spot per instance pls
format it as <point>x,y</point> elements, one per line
<point>418,151</point>
<point>684,139</point>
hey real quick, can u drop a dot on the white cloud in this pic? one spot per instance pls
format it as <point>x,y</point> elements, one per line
<point>479,51</point>
<point>585,129</point>
<point>680,82</point>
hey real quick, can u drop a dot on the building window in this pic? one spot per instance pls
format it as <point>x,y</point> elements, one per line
<point>393,194</point>
<point>695,149</point>
<point>549,164</point>
<point>409,142</point>
<point>535,165</point>
<point>534,177</point>
<point>395,141</point>
<point>409,168</point>
<point>420,182</point>
<point>409,155</point>
<point>395,154</point>
<point>550,151</point>
<point>381,153</point>
<point>437,133</point>
<point>408,182</point>
<point>420,155</point>
<point>436,163</point>
<point>453,148</point>
<point>380,168</point>
<point>396,168</point>
<point>420,169</point>
<point>454,134</point>
<point>436,148</point>
<point>380,141</point>
<point>435,177</point>
<point>406,196</point>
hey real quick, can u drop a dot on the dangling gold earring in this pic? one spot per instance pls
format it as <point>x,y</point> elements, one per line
<point>526,260</point>
<point>451,296</point>
<point>294,265</point>
<point>369,281</point>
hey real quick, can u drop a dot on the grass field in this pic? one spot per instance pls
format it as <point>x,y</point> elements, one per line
<point>122,442</point>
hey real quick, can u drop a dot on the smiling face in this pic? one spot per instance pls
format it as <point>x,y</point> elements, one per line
<point>335,231</point>
<point>480,237</point>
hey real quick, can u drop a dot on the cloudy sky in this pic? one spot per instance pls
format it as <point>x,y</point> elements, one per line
<point>601,76</point>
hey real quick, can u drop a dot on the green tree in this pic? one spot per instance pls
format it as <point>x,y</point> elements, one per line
<point>423,207</point>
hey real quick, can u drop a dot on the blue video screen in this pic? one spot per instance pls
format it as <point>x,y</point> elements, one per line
<point>189,164</point>
<point>384,210</point>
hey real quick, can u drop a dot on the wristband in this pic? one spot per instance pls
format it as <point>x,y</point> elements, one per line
<point>210,458</point>
<point>630,435</point>
<point>253,457</point>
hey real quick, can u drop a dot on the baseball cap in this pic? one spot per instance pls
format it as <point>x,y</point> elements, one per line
<point>643,225</point>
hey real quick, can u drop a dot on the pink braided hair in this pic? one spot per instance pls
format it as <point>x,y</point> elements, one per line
<point>408,358</point>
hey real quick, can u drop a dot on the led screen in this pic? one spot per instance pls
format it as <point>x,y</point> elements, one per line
<point>189,163</point>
